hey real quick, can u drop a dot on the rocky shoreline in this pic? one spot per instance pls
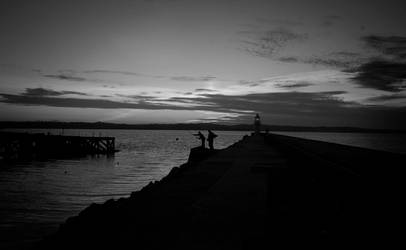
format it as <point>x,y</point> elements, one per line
<point>114,219</point>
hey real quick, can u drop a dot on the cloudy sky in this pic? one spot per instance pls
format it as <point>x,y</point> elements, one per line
<point>295,62</point>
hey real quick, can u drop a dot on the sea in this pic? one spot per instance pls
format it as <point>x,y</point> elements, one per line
<point>37,196</point>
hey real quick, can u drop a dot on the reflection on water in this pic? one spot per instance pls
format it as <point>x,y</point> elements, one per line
<point>35,197</point>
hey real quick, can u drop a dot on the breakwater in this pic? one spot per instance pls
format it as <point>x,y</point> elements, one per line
<point>263,190</point>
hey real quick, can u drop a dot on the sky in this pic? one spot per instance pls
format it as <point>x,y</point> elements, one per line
<point>295,62</point>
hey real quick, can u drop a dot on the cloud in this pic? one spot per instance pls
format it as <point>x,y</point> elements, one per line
<point>80,103</point>
<point>318,78</point>
<point>245,82</point>
<point>295,108</point>
<point>331,61</point>
<point>49,92</point>
<point>205,90</point>
<point>345,54</point>
<point>253,83</point>
<point>270,43</point>
<point>83,75</point>
<point>72,75</point>
<point>381,75</point>
<point>111,72</point>
<point>192,78</point>
<point>338,59</point>
<point>281,103</point>
<point>208,102</point>
<point>109,86</point>
<point>53,98</point>
<point>140,97</point>
<point>66,77</point>
<point>289,59</point>
<point>119,72</point>
<point>311,109</point>
<point>383,98</point>
<point>389,45</point>
<point>387,71</point>
<point>295,85</point>
<point>174,78</point>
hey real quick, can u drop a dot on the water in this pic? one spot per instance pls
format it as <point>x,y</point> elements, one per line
<point>386,142</point>
<point>35,197</point>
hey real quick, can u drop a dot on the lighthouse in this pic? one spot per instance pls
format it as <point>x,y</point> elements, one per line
<point>257,124</point>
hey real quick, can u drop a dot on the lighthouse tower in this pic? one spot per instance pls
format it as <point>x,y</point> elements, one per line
<point>257,124</point>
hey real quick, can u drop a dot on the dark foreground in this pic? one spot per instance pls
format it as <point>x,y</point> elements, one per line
<point>264,191</point>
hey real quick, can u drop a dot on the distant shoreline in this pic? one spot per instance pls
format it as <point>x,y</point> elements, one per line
<point>186,126</point>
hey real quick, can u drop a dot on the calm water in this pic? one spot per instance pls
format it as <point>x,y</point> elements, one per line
<point>35,197</point>
<point>386,142</point>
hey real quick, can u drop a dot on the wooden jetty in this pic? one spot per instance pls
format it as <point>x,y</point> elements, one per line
<point>39,145</point>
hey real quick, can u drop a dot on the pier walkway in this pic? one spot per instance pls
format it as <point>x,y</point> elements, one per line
<point>264,191</point>
<point>235,208</point>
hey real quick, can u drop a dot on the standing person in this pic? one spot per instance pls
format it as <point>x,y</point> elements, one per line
<point>201,137</point>
<point>257,124</point>
<point>210,139</point>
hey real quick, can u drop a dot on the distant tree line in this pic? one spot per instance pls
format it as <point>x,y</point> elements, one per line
<point>184,126</point>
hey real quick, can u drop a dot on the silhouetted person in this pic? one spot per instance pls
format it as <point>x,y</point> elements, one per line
<point>257,124</point>
<point>210,138</point>
<point>201,137</point>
